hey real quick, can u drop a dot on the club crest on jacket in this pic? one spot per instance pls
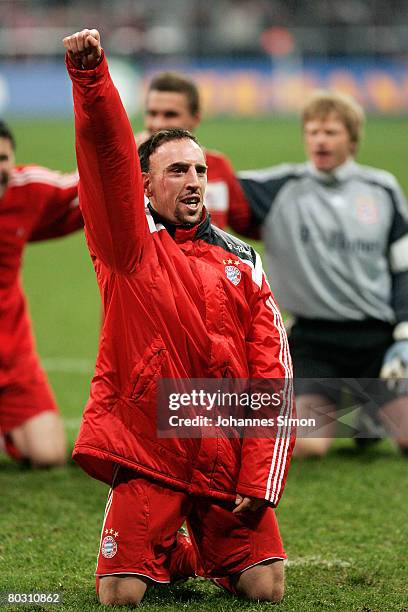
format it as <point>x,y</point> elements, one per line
<point>233,274</point>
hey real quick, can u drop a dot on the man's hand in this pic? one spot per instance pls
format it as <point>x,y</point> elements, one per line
<point>395,367</point>
<point>242,504</point>
<point>84,48</point>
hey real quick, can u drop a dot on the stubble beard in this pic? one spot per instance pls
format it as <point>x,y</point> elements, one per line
<point>187,219</point>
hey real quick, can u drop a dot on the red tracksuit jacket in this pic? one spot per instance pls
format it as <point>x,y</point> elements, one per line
<point>171,311</point>
<point>38,204</point>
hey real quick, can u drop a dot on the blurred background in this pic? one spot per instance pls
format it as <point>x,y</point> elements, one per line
<point>251,56</point>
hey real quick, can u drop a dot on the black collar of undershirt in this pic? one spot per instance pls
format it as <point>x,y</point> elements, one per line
<point>182,233</point>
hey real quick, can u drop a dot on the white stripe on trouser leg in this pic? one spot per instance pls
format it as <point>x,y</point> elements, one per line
<point>107,509</point>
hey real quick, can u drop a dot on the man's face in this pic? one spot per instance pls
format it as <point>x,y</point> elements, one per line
<point>168,109</point>
<point>327,142</point>
<point>6,163</point>
<point>176,181</point>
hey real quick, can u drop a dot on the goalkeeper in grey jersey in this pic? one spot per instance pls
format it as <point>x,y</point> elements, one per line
<point>336,243</point>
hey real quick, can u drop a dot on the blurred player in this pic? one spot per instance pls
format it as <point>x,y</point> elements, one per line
<point>35,204</point>
<point>173,100</point>
<point>336,241</point>
<point>183,299</point>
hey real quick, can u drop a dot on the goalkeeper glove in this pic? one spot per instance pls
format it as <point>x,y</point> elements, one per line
<point>395,364</point>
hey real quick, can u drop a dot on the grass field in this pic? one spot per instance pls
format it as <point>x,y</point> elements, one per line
<point>343,519</point>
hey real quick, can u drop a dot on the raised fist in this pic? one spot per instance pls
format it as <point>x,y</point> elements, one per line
<point>84,48</point>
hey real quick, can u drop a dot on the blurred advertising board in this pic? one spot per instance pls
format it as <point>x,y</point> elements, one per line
<point>43,89</point>
<point>238,87</point>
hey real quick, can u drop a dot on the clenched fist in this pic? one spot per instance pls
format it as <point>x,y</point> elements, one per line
<point>84,48</point>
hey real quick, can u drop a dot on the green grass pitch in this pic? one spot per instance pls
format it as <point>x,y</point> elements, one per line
<point>343,519</point>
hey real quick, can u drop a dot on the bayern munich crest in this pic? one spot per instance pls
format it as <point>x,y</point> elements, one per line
<point>367,210</point>
<point>233,274</point>
<point>109,547</point>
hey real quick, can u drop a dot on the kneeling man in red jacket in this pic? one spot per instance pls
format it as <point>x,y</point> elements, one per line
<point>182,300</point>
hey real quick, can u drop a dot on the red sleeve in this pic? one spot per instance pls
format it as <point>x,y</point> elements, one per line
<point>111,187</point>
<point>265,461</point>
<point>240,217</point>
<point>61,214</point>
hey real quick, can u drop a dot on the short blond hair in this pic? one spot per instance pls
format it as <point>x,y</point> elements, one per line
<point>322,103</point>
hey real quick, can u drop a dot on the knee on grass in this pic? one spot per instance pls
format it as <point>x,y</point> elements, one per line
<point>264,582</point>
<point>48,457</point>
<point>45,453</point>
<point>41,440</point>
<point>316,447</point>
<point>121,591</point>
<point>271,593</point>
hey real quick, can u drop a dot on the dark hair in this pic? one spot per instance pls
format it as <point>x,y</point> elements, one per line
<point>5,132</point>
<point>178,83</point>
<point>147,148</point>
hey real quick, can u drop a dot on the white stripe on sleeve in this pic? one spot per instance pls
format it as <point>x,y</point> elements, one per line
<point>278,462</point>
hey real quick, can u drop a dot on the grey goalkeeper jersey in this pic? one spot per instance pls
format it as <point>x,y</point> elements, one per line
<point>336,244</point>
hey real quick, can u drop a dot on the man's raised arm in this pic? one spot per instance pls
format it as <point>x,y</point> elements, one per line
<point>111,188</point>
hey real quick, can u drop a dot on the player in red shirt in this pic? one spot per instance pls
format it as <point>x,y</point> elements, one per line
<point>35,204</point>
<point>183,299</point>
<point>173,101</point>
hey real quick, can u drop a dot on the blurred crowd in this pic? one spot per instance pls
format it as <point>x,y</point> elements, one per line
<point>211,28</point>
